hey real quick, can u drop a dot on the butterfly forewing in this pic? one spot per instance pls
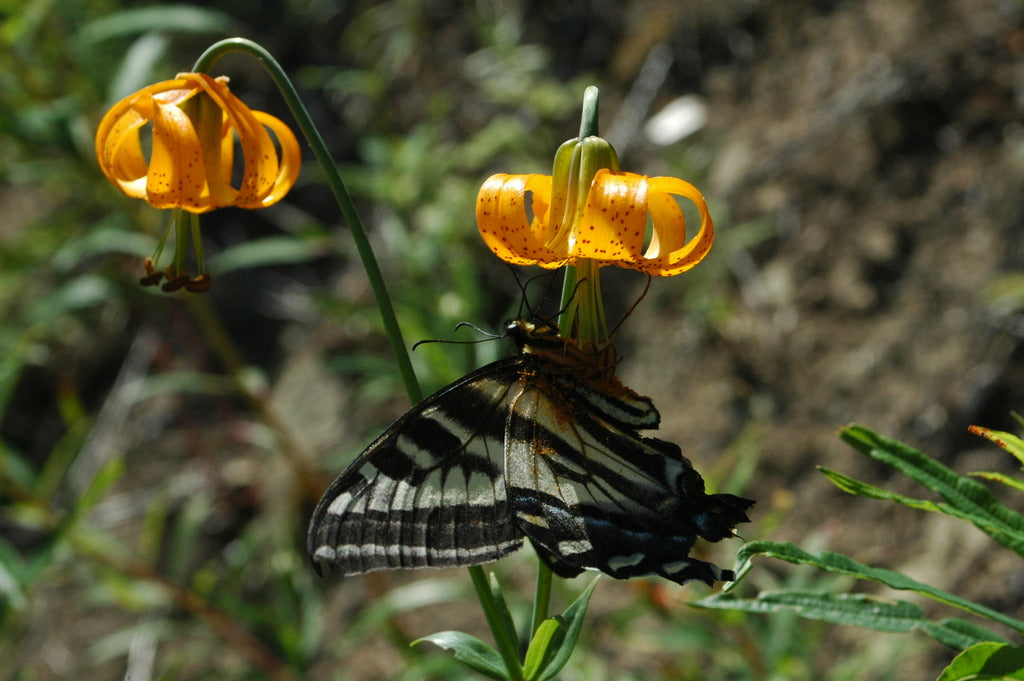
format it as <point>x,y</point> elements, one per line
<point>430,491</point>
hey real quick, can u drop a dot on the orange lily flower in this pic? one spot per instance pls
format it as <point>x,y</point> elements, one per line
<point>610,228</point>
<point>189,167</point>
<point>195,124</point>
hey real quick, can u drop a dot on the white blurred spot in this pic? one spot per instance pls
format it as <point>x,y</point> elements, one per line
<point>680,118</point>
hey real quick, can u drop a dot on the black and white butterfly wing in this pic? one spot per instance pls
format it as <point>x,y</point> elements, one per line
<point>591,493</point>
<point>430,491</point>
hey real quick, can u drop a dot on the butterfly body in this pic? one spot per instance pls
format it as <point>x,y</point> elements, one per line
<point>541,445</point>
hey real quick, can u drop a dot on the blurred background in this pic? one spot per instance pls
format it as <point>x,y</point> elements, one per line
<point>160,454</point>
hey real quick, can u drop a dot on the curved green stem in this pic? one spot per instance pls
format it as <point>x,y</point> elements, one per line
<point>334,181</point>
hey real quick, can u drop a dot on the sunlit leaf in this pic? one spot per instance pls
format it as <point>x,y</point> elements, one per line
<point>541,651</point>
<point>471,651</point>
<point>989,661</point>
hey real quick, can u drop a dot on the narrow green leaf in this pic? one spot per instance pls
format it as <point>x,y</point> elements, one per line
<point>863,489</point>
<point>1008,441</point>
<point>850,609</point>
<point>502,607</point>
<point>572,620</point>
<point>471,651</point>
<point>1000,477</point>
<point>960,634</point>
<point>539,653</point>
<point>840,564</point>
<point>986,661</point>
<point>966,498</point>
<point>856,610</point>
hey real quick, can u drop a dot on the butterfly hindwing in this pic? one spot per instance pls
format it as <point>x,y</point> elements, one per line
<point>430,491</point>
<point>591,494</point>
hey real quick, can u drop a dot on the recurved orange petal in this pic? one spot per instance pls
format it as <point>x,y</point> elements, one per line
<point>507,229</point>
<point>670,253</point>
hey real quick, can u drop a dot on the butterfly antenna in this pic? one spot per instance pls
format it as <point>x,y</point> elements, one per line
<point>524,300</point>
<point>488,336</point>
<point>643,294</point>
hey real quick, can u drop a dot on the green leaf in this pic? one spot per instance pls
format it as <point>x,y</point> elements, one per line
<point>471,651</point>
<point>863,489</point>
<point>855,610</point>
<point>1008,441</point>
<point>850,609</point>
<point>965,498</point>
<point>844,565</point>
<point>1000,477</point>
<point>502,607</point>
<point>564,640</point>
<point>960,634</point>
<point>538,656</point>
<point>986,661</point>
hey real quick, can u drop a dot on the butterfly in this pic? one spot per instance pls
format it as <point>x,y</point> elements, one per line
<point>542,445</point>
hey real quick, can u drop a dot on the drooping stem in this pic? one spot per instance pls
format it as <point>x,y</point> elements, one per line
<point>341,195</point>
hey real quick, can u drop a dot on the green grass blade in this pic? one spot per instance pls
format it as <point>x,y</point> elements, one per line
<point>844,565</point>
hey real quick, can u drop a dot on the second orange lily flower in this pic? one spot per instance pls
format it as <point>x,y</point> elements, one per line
<point>610,225</point>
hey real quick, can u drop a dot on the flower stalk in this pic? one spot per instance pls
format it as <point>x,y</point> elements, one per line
<point>348,210</point>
